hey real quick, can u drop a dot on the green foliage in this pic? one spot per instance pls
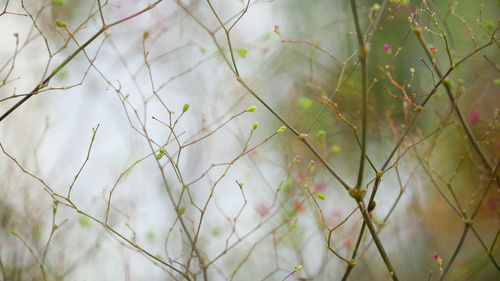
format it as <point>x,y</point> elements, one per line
<point>242,52</point>
<point>61,24</point>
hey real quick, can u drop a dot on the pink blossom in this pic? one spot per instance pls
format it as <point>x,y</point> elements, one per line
<point>319,187</point>
<point>301,176</point>
<point>474,116</point>
<point>436,256</point>
<point>263,208</point>
<point>348,244</point>
<point>297,159</point>
<point>387,47</point>
<point>493,203</point>
<point>277,29</point>
<point>432,49</point>
<point>299,206</point>
<point>336,212</point>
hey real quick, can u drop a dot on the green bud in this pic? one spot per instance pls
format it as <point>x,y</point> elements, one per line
<point>145,35</point>
<point>61,24</point>
<point>14,233</point>
<point>497,81</point>
<point>242,52</point>
<point>320,196</point>
<point>281,130</point>
<point>489,25</point>
<point>255,125</point>
<point>335,149</point>
<point>357,193</point>
<point>84,221</point>
<point>298,267</point>
<point>185,108</point>
<point>449,83</point>
<point>321,134</point>
<point>305,103</point>
<point>159,156</point>
<point>182,209</point>
<point>162,150</point>
<point>202,49</point>
<point>252,108</point>
<point>376,7</point>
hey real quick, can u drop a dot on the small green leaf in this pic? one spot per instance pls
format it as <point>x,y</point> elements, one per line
<point>185,108</point>
<point>335,149</point>
<point>252,108</point>
<point>320,196</point>
<point>182,209</point>
<point>84,221</point>
<point>215,232</point>
<point>255,125</point>
<point>489,25</point>
<point>281,130</point>
<point>159,156</point>
<point>242,52</point>
<point>162,150</point>
<point>305,103</point>
<point>449,83</point>
<point>61,24</point>
<point>298,267</point>
<point>321,134</point>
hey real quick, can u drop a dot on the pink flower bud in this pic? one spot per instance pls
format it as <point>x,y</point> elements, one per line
<point>474,116</point>
<point>387,47</point>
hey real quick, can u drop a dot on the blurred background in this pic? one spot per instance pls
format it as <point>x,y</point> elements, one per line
<point>247,195</point>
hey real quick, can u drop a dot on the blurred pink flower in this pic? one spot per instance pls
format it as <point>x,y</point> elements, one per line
<point>336,212</point>
<point>277,29</point>
<point>301,176</point>
<point>348,244</point>
<point>432,49</point>
<point>299,206</point>
<point>493,203</point>
<point>297,159</point>
<point>436,256</point>
<point>387,47</point>
<point>263,208</point>
<point>319,187</point>
<point>253,152</point>
<point>474,116</point>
